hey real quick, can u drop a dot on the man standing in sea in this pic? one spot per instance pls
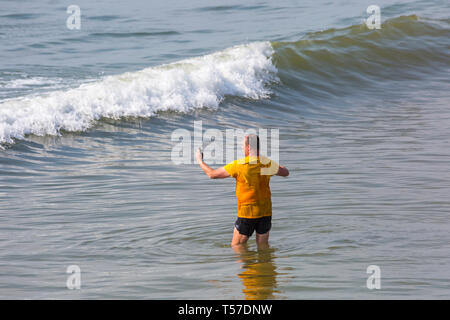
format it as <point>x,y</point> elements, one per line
<point>252,175</point>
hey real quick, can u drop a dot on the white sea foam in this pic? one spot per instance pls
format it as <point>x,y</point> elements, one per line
<point>182,86</point>
<point>30,82</point>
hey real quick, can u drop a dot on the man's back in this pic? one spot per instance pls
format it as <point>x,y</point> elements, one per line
<point>252,176</point>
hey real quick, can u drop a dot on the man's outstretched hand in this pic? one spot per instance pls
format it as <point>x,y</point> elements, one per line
<point>219,173</point>
<point>199,156</point>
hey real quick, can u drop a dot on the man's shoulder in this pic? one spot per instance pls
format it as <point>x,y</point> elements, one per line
<point>265,160</point>
<point>269,166</point>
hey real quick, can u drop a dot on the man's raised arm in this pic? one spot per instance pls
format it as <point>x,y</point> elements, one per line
<point>219,173</point>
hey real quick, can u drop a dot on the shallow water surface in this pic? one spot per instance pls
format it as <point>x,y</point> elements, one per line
<point>86,177</point>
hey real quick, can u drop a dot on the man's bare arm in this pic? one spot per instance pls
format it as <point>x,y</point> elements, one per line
<point>283,171</point>
<point>219,173</point>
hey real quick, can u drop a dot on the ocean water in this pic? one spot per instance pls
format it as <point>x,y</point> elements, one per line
<point>86,171</point>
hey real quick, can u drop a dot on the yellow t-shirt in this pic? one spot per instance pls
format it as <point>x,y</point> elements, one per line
<point>252,176</point>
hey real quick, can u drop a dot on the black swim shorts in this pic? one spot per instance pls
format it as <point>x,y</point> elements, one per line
<point>247,226</point>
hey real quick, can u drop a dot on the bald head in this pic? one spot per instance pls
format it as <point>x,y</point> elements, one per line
<point>251,145</point>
